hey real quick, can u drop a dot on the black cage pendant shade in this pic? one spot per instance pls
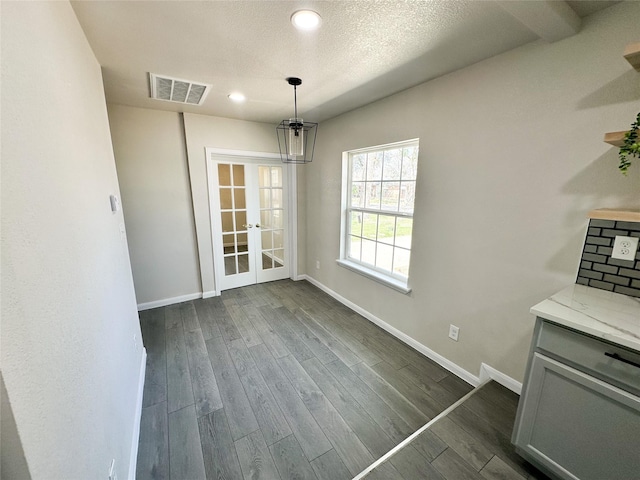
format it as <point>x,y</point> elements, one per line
<point>296,139</point>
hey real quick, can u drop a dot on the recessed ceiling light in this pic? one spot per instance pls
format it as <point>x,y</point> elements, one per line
<point>305,20</point>
<point>237,97</point>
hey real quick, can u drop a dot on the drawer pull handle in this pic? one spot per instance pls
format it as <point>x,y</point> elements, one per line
<point>615,356</point>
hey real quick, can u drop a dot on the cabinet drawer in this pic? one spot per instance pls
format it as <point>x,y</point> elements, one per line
<point>590,355</point>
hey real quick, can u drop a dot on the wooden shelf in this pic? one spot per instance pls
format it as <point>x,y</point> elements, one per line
<point>628,215</point>
<point>616,138</point>
<point>632,54</point>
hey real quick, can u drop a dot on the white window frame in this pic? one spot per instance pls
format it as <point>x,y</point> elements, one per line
<point>387,278</point>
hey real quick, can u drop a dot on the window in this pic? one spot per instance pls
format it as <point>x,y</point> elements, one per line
<point>378,197</point>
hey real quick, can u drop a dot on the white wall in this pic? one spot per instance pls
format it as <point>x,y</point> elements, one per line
<point>511,161</point>
<point>161,165</point>
<point>151,159</point>
<point>69,361</point>
<point>205,131</point>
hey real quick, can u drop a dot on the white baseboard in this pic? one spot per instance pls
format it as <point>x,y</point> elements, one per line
<point>170,301</point>
<point>133,459</point>
<point>426,351</point>
<point>209,294</point>
<point>488,372</point>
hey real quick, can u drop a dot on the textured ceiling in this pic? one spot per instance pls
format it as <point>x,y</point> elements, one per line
<point>364,50</point>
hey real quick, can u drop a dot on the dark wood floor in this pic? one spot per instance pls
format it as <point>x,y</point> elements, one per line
<point>469,443</point>
<point>281,381</point>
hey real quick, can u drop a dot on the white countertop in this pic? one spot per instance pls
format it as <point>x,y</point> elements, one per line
<point>607,315</point>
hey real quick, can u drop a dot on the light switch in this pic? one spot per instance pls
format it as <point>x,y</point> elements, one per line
<point>115,203</point>
<point>625,248</point>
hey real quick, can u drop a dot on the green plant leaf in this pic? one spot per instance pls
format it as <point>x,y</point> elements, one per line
<point>630,147</point>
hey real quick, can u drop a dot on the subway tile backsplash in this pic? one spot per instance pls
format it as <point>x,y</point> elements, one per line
<point>598,269</point>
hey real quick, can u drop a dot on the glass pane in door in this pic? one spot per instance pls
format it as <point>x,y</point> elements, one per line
<point>224,175</point>
<point>229,243</point>
<point>243,242</point>
<point>278,258</point>
<point>271,215</point>
<point>233,215</point>
<point>225,199</point>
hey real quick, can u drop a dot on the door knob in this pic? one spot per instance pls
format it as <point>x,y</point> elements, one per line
<point>257,225</point>
<point>247,225</point>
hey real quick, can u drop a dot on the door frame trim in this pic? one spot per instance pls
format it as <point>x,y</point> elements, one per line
<point>292,195</point>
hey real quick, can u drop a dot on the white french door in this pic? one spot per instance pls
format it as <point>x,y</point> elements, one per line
<point>249,218</point>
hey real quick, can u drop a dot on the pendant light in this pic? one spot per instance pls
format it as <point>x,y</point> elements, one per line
<point>296,138</point>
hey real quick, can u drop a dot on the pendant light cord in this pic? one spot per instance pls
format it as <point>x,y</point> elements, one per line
<point>295,103</point>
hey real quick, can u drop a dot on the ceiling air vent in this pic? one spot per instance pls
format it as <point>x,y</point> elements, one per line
<point>177,90</point>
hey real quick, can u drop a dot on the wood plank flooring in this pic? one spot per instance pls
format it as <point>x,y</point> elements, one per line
<point>471,442</point>
<point>281,381</point>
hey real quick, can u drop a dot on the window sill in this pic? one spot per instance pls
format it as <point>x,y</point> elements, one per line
<point>394,283</point>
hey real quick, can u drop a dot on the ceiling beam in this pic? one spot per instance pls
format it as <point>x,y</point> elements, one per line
<point>550,20</point>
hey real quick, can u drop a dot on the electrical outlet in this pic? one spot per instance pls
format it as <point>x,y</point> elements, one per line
<point>317,264</point>
<point>625,248</point>
<point>453,332</point>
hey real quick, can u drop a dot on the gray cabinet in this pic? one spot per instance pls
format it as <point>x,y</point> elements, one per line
<point>579,413</point>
